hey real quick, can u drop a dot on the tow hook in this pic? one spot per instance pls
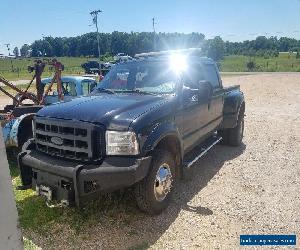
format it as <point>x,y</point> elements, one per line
<point>62,203</point>
<point>47,193</point>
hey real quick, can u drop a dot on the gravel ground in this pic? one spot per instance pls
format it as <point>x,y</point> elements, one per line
<point>252,189</point>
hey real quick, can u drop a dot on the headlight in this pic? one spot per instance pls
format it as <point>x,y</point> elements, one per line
<point>121,143</point>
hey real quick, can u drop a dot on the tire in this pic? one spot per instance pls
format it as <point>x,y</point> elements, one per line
<point>149,192</point>
<point>236,134</point>
<point>25,134</point>
<point>233,136</point>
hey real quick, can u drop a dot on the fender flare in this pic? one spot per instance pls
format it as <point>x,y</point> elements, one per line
<point>160,132</point>
<point>232,111</point>
<point>14,132</point>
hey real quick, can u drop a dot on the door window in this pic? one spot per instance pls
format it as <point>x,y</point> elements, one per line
<point>211,75</point>
<point>192,77</point>
<point>87,86</point>
<point>69,88</point>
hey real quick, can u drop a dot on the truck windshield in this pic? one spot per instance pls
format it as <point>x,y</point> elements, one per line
<point>151,77</point>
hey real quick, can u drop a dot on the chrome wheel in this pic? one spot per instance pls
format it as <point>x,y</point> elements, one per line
<point>163,182</point>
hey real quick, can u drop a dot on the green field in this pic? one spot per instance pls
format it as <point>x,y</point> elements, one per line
<point>285,62</point>
<point>72,66</point>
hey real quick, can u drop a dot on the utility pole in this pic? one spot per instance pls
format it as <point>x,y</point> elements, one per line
<point>154,40</point>
<point>44,51</point>
<point>8,48</point>
<point>94,15</point>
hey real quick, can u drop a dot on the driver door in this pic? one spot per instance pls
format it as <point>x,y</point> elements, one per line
<point>193,108</point>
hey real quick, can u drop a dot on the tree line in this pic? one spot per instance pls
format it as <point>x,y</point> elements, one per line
<point>137,42</point>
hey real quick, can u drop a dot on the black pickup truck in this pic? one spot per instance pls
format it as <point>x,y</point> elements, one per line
<point>136,129</point>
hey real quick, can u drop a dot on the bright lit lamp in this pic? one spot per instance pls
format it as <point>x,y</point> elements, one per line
<point>178,63</point>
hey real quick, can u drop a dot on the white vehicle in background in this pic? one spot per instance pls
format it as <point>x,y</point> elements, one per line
<point>122,57</point>
<point>108,65</point>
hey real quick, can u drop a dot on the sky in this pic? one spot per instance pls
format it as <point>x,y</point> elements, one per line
<point>234,20</point>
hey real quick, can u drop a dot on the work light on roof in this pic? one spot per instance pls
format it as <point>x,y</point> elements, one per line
<point>178,62</point>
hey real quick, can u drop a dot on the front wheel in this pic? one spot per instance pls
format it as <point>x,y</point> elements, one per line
<point>153,193</point>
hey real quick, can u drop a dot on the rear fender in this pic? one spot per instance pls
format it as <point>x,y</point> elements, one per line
<point>232,105</point>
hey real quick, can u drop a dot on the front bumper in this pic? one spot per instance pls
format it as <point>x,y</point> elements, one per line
<point>75,182</point>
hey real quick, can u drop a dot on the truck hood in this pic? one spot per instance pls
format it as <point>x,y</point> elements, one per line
<point>115,111</point>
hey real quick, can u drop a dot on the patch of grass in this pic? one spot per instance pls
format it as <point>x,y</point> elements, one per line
<point>29,245</point>
<point>12,160</point>
<point>282,63</point>
<point>14,171</point>
<point>72,67</point>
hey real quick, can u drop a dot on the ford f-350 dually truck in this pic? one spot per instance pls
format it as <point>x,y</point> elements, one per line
<point>136,129</point>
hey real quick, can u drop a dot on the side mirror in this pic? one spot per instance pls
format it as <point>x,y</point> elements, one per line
<point>204,83</point>
<point>205,91</point>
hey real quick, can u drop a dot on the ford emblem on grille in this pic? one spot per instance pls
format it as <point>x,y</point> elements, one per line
<point>57,141</point>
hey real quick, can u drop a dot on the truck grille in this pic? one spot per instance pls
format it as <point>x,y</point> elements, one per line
<point>68,139</point>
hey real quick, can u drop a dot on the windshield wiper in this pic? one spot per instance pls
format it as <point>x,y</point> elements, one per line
<point>103,90</point>
<point>137,91</point>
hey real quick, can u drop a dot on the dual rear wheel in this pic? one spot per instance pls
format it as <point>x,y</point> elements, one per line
<point>234,136</point>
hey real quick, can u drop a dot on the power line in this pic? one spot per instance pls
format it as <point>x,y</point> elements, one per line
<point>94,15</point>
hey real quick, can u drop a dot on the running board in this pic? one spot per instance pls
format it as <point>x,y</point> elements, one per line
<point>205,147</point>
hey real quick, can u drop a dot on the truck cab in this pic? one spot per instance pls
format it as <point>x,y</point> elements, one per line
<point>137,128</point>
